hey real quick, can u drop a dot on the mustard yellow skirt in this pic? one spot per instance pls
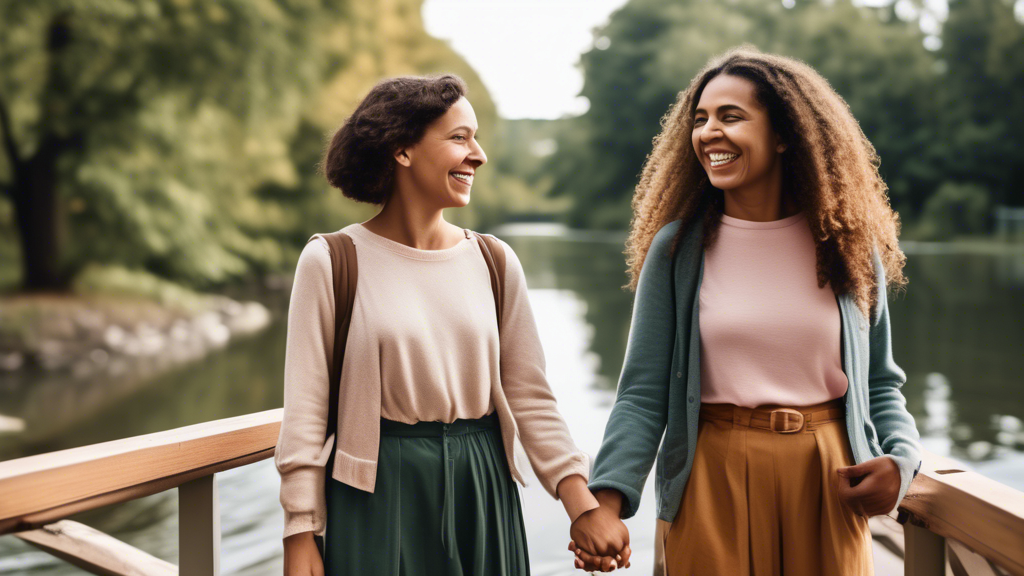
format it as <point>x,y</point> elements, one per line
<point>762,497</point>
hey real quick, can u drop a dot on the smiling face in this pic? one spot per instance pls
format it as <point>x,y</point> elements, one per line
<point>440,167</point>
<point>733,137</point>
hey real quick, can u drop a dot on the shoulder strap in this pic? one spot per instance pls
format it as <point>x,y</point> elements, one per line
<point>494,255</point>
<point>345,269</point>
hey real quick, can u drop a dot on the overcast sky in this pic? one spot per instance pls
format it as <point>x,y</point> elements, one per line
<point>526,51</point>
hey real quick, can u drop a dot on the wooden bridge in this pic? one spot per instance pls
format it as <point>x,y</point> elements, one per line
<point>956,520</point>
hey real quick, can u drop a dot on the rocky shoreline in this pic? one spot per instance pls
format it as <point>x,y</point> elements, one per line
<point>85,336</point>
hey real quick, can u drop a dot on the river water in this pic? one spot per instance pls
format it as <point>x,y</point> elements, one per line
<point>957,332</point>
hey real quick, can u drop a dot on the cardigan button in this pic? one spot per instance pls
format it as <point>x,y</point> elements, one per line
<point>691,399</point>
<point>679,374</point>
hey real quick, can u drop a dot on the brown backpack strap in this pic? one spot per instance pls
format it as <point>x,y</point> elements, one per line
<point>494,255</point>
<point>345,269</point>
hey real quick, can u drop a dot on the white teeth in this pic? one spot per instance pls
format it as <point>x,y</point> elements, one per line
<point>463,177</point>
<point>717,158</point>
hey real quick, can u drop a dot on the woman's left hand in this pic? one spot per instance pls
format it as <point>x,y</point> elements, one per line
<point>870,488</point>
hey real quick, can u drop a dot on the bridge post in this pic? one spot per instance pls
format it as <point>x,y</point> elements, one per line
<point>925,552</point>
<point>199,527</point>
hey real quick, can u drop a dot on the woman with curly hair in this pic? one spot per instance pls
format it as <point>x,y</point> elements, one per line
<point>435,389</point>
<point>761,248</point>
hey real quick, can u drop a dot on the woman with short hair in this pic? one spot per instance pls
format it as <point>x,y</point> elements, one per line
<point>761,247</point>
<point>435,389</point>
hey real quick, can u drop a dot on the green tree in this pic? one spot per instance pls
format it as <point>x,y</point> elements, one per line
<point>182,138</point>
<point>981,132</point>
<point>654,47</point>
<point>954,209</point>
<point>120,117</point>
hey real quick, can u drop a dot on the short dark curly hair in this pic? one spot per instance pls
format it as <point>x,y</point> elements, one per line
<point>359,159</point>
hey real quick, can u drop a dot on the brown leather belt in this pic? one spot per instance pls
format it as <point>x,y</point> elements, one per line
<point>780,419</point>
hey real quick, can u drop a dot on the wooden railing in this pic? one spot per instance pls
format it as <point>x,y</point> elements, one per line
<point>974,524</point>
<point>39,490</point>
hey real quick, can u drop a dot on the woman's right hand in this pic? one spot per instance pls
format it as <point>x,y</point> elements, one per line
<point>301,556</point>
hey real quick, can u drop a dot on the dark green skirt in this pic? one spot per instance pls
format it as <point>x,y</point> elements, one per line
<point>445,504</point>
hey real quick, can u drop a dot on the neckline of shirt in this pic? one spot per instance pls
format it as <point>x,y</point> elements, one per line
<point>364,233</point>
<point>773,225</point>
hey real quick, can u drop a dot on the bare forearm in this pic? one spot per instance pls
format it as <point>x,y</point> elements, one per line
<point>610,499</point>
<point>301,556</point>
<point>575,496</point>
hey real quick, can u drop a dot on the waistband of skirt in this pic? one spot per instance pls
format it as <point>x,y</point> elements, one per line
<point>437,429</point>
<point>775,417</point>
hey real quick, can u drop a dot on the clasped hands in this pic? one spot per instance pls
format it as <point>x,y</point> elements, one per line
<point>600,540</point>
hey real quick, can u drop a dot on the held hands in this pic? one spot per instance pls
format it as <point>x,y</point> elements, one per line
<point>599,538</point>
<point>301,556</point>
<point>870,488</point>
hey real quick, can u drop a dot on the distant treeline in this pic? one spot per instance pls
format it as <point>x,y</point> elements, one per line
<point>180,139</point>
<point>944,109</point>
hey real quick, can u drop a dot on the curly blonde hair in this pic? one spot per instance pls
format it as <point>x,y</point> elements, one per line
<point>830,170</point>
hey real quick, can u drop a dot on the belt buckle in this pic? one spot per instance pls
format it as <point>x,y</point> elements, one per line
<point>782,421</point>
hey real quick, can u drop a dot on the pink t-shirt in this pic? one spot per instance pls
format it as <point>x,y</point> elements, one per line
<point>769,334</point>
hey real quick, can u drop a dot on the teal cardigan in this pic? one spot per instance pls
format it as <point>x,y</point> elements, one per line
<point>659,389</point>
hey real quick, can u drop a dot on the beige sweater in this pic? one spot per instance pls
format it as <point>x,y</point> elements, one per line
<point>423,346</point>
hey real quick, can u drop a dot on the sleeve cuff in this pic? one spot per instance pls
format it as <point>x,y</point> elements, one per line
<point>579,464</point>
<point>630,500</point>
<point>301,522</point>
<point>908,471</point>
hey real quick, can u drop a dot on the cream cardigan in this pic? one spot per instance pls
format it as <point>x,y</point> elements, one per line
<point>423,345</point>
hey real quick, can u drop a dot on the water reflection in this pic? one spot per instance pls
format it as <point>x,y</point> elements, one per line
<point>938,414</point>
<point>64,413</point>
<point>957,333</point>
<point>595,272</point>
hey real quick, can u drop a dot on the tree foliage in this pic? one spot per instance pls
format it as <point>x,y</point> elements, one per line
<point>182,137</point>
<point>918,107</point>
<point>981,125</point>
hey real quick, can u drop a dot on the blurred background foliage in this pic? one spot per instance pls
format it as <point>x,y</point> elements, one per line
<point>941,96</point>
<point>179,139</point>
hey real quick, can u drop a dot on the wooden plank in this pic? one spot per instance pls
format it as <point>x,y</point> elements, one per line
<point>95,552</point>
<point>38,484</point>
<point>199,527</point>
<point>965,562</point>
<point>986,516</point>
<point>38,519</point>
